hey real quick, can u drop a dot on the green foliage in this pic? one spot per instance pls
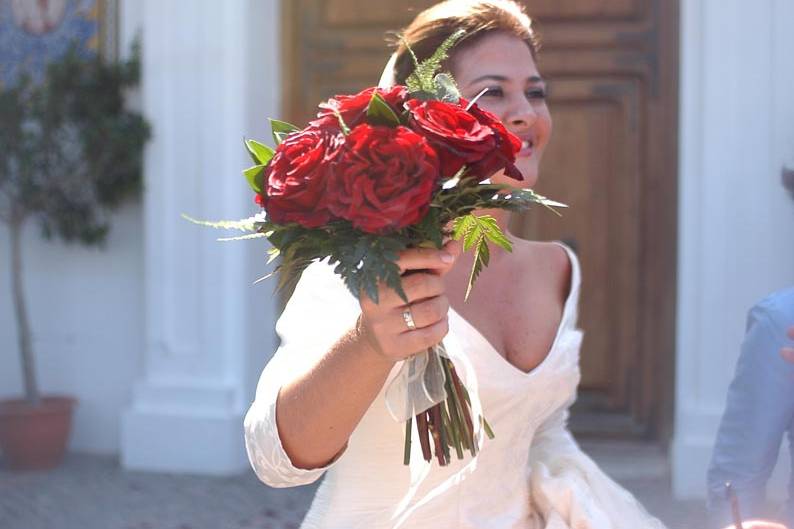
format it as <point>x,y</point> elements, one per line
<point>476,232</point>
<point>380,113</point>
<point>255,176</point>
<point>71,150</point>
<point>423,78</point>
<point>257,223</point>
<point>260,153</point>
<point>281,129</point>
<point>342,124</point>
<point>446,88</point>
<point>364,260</point>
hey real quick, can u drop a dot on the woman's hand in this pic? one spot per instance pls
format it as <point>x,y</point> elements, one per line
<point>383,326</point>
<point>759,524</point>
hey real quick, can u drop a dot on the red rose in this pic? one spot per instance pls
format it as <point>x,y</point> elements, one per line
<point>354,108</point>
<point>504,155</point>
<point>384,178</point>
<point>458,136</point>
<point>295,179</point>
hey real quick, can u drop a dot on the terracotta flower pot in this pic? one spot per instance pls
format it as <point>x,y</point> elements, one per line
<point>35,437</point>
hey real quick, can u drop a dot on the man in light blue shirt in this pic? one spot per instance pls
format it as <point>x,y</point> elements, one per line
<point>758,413</point>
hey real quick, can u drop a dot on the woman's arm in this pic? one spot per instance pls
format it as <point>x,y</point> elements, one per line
<point>318,410</point>
<point>317,387</point>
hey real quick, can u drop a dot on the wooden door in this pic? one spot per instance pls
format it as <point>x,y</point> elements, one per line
<point>611,70</point>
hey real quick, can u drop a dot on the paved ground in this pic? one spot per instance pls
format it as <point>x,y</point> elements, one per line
<point>90,492</point>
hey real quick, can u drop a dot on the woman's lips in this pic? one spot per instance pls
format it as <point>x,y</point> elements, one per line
<point>527,148</point>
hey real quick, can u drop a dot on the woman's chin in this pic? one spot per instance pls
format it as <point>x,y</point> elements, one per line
<point>528,170</point>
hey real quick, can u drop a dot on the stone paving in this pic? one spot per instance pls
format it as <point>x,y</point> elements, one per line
<point>93,492</point>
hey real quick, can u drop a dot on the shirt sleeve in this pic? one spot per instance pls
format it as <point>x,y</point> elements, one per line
<point>319,312</point>
<point>759,409</point>
<point>569,490</point>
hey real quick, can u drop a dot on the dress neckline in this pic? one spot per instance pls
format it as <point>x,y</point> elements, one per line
<point>568,310</point>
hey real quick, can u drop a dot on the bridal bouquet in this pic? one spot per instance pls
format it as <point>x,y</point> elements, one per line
<point>378,172</point>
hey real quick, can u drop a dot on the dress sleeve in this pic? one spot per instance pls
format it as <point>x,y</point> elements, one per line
<point>569,491</point>
<point>758,411</point>
<point>319,312</point>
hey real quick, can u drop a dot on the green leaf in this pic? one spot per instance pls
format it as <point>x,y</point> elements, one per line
<point>494,233</point>
<point>472,238</point>
<point>281,129</point>
<point>481,258</point>
<point>446,88</point>
<point>380,113</point>
<point>260,153</point>
<point>476,232</point>
<point>272,254</point>
<point>342,124</point>
<point>462,225</point>
<point>255,176</point>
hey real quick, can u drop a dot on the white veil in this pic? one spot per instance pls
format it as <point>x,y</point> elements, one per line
<point>387,76</point>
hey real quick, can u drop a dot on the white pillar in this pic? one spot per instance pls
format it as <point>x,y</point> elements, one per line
<point>210,76</point>
<point>735,220</point>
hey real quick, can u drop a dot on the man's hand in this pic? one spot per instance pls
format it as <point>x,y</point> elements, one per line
<point>788,351</point>
<point>759,524</point>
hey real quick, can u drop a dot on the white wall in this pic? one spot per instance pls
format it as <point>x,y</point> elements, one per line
<point>86,314</point>
<point>736,222</point>
<point>84,306</point>
<point>209,81</point>
<point>88,306</point>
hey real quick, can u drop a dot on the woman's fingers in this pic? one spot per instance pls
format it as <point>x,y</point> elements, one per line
<point>416,341</point>
<point>425,259</point>
<point>455,248</point>
<point>421,286</point>
<point>417,286</point>
<point>385,324</point>
<point>426,313</point>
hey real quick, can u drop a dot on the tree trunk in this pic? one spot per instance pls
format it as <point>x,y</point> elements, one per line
<point>23,327</point>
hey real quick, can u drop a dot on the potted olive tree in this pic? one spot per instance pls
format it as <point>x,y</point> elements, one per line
<point>71,152</point>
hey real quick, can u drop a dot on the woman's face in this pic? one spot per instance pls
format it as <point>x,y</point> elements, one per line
<point>503,64</point>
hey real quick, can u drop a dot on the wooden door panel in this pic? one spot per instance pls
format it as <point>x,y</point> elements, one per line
<point>595,171</point>
<point>585,9</point>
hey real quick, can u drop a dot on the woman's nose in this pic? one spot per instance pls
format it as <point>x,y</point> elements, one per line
<point>522,113</point>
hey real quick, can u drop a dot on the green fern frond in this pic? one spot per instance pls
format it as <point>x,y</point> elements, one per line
<point>244,237</point>
<point>423,77</point>
<point>476,232</point>
<point>250,224</point>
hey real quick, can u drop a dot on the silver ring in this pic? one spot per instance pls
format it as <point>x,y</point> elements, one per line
<point>409,319</point>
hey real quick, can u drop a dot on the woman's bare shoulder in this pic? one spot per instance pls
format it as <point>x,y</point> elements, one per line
<point>548,261</point>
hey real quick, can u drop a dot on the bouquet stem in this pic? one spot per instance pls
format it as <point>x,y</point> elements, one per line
<point>448,423</point>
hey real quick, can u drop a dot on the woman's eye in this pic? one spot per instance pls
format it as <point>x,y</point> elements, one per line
<point>493,92</point>
<point>536,93</point>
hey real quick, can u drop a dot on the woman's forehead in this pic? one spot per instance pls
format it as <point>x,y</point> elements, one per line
<point>500,56</point>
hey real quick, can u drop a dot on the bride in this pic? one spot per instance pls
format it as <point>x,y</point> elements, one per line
<point>319,406</point>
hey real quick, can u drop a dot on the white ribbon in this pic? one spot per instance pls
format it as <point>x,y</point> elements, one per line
<point>419,468</point>
<point>418,386</point>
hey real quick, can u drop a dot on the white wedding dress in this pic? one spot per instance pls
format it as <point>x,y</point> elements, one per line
<point>532,475</point>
